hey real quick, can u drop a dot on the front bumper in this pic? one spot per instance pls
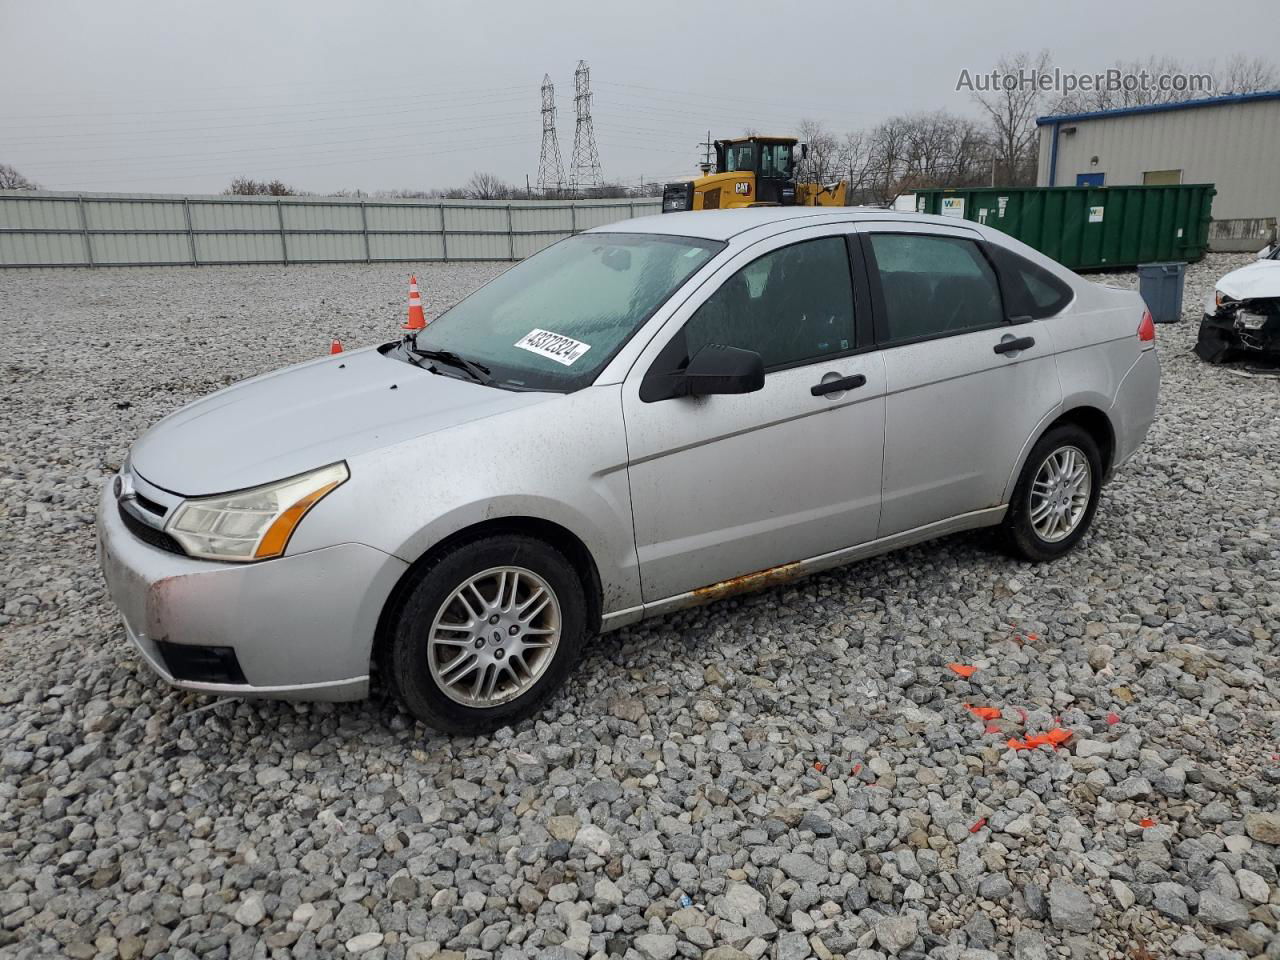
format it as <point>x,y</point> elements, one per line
<point>301,627</point>
<point>1225,337</point>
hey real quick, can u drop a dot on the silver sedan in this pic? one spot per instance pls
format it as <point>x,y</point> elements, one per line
<point>646,416</point>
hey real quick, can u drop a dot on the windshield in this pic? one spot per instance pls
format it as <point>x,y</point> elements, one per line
<point>553,321</point>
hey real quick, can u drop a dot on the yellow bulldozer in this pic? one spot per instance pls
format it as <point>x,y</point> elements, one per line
<point>752,172</point>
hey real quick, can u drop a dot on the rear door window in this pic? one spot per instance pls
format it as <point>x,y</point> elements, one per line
<point>932,286</point>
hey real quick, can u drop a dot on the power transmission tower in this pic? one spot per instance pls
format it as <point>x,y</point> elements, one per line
<point>550,166</point>
<point>584,168</point>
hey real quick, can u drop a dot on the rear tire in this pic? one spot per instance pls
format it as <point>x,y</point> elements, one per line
<point>486,635</point>
<point>1056,496</point>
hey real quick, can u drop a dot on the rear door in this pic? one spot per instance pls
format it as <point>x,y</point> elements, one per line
<point>965,384</point>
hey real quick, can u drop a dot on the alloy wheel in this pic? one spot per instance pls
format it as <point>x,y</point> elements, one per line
<point>1060,493</point>
<point>494,636</point>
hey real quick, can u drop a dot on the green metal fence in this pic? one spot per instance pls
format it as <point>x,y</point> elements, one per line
<point>1089,227</point>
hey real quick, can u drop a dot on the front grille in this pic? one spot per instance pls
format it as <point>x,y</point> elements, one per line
<point>200,664</point>
<point>149,505</point>
<point>147,534</point>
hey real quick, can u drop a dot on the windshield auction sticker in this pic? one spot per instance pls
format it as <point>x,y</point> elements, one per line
<point>553,346</point>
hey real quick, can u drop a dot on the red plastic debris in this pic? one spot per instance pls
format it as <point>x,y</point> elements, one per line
<point>982,822</point>
<point>984,713</point>
<point>1113,718</point>
<point>1051,738</point>
<point>857,768</point>
<point>819,766</point>
<point>962,669</point>
<point>1146,822</point>
<point>992,728</point>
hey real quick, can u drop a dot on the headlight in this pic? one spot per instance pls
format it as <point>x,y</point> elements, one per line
<point>1220,299</point>
<point>252,524</point>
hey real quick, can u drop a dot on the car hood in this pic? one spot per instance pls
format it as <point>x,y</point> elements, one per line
<point>303,417</point>
<point>1257,280</point>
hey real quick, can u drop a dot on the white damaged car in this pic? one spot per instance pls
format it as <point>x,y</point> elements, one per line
<point>1242,314</point>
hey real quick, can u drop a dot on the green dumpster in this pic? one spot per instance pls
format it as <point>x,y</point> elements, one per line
<point>1089,228</point>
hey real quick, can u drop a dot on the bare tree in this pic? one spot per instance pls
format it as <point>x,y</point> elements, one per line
<point>856,155</point>
<point>1241,75</point>
<point>487,186</point>
<point>888,157</point>
<point>247,187</point>
<point>1248,75</point>
<point>11,179</point>
<point>822,161</point>
<point>1011,114</point>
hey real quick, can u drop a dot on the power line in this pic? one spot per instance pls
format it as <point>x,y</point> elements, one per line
<point>266,151</point>
<point>353,158</point>
<point>476,95</point>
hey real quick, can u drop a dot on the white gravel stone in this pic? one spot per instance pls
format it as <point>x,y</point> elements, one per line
<point>364,942</point>
<point>251,912</point>
<point>1252,887</point>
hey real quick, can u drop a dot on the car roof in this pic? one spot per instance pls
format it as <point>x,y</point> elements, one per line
<point>725,224</point>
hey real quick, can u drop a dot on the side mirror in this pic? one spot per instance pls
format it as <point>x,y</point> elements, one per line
<point>717,368</point>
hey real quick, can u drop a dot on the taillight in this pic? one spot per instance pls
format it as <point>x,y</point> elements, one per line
<point>1147,328</point>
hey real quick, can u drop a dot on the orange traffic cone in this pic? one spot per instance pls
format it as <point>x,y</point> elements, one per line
<point>335,347</point>
<point>416,319</point>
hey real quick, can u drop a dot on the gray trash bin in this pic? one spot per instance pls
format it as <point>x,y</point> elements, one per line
<point>1161,287</point>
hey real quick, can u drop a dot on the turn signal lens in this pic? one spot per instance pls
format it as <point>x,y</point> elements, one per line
<point>278,534</point>
<point>1147,328</point>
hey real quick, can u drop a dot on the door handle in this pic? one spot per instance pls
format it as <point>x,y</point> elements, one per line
<point>1020,343</point>
<point>838,386</point>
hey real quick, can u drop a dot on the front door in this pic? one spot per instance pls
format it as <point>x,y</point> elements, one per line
<point>776,177</point>
<point>723,486</point>
<point>965,386</point>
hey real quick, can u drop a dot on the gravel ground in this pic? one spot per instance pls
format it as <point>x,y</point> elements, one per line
<point>783,775</point>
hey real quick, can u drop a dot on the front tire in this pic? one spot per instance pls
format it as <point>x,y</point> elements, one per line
<point>489,631</point>
<point>1056,496</point>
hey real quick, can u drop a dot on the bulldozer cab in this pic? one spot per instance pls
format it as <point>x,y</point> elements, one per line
<point>770,159</point>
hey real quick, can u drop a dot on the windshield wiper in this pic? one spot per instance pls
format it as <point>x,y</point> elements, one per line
<point>477,371</point>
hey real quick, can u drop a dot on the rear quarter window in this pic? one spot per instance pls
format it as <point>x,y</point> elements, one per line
<point>1030,291</point>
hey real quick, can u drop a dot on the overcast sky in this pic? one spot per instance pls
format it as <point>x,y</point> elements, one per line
<point>179,96</point>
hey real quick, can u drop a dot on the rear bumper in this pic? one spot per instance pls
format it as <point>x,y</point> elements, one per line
<point>300,627</point>
<point>1135,406</point>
